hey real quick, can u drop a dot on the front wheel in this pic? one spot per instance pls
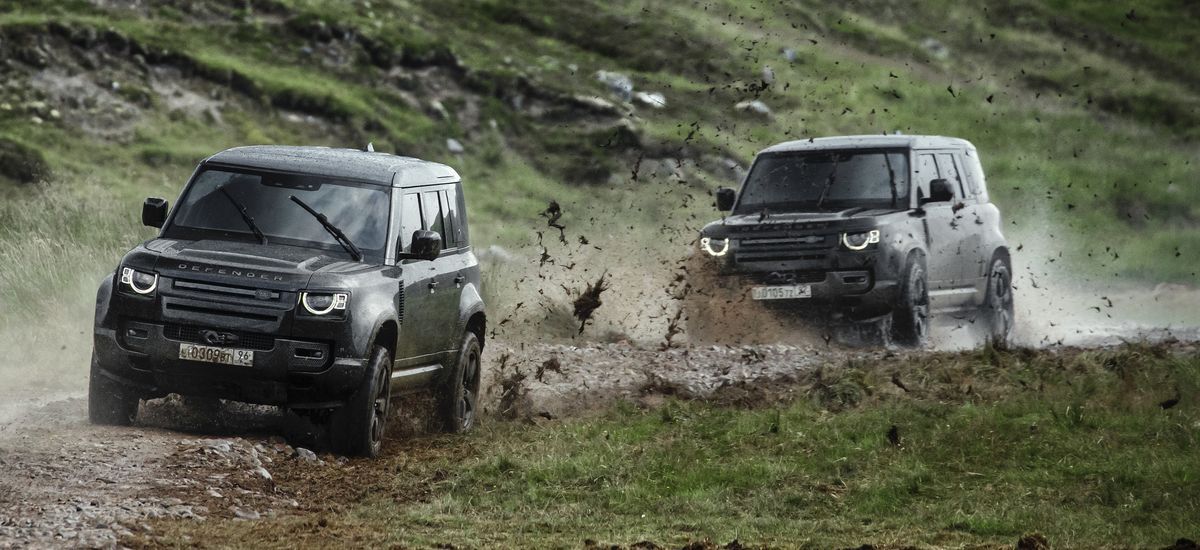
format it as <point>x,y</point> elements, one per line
<point>998,304</point>
<point>357,427</point>
<point>459,399</point>
<point>109,403</point>
<point>910,318</point>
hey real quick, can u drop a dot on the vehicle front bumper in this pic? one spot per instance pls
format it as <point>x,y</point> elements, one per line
<point>855,293</point>
<point>140,356</point>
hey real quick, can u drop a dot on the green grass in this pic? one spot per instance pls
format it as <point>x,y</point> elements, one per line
<point>1072,446</point>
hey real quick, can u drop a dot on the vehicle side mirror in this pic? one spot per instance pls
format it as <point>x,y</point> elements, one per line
<point>725,198</point>
<point>939,191</point>
<point>426,245</point>
<point>154,212</point>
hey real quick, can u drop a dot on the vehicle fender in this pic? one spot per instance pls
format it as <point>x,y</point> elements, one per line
<point>366,322</point>
<point>902,240</point>
<point>376,329</point>
<point>103,300</point>
<point>469,304</point>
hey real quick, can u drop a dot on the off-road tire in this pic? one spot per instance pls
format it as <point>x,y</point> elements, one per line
<point>357,428</point>
<point>910,318</point>
<point>109,403</point>
<point>458,400</point>
<point>998,302</point>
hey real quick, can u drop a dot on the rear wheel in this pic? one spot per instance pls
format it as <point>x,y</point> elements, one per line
<point>459,399</point>
<point>357,428</point>
<point>910,318</point>
<point>109,402</point>
<point>998,304</point>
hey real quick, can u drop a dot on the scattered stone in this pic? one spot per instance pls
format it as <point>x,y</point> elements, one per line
<point>55,114</point>
<point>249,515</point>
<point>653,99</point>
<point>620,85</point>
<point>789,54</point>
<point>439,109</point>
<point>935,48</point>
<point>35,119</point>
<point>756,107</point>
<point>263,473</point>
<point>307,455</point>
<point>768,74</point>
<point>455,147</point>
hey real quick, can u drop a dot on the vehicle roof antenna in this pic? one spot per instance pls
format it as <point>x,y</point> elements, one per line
<point>370,147</point>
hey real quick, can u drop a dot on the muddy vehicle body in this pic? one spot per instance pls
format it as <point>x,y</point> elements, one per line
<point>891,228</point>
<point>322,280</point>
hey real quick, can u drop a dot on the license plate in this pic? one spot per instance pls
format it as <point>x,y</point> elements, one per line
<point>210,354</point>
<point>781,292</point>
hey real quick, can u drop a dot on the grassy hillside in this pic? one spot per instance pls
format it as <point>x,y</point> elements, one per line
<point>1085,114</point>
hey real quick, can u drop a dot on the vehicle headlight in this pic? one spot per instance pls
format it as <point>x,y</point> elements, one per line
<point>859,241</point>
<point>714,247</point>
<point>324,303</point>
<point>139,281</point>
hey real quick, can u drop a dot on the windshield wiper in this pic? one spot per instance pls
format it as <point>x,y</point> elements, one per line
<point>340,237</point>
<point>245,215</point>
<point>891,179</point>
<point>828,184</point>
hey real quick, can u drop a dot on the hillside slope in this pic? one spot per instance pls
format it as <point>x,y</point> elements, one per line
<point>1085,114</point>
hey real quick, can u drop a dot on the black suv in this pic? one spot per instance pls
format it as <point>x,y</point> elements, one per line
<point>323,280</point>
<point>870,227</point>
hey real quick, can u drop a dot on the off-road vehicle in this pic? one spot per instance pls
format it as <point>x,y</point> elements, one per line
<point>865,227</point>
<point>322,280</point>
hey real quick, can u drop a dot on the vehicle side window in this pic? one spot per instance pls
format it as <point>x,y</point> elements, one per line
<point>450,215</point>
<point>974,173</point>
<point>460,221</point>
<point>410,219</point>
<point>926,172</point>
<point>432,210</point>
<point>948,170</point>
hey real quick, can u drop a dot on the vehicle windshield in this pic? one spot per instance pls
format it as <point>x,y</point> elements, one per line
<point>210,209</point>
<point>826,180</point>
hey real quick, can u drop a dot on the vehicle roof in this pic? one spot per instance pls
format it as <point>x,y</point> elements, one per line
<point>869,142</point>
<point>371,167</point>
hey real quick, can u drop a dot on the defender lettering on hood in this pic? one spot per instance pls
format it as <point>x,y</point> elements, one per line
<point>239,273</point>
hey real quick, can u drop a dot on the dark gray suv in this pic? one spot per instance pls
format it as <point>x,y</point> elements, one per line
<point>866,227</point>
<point>322,280</point>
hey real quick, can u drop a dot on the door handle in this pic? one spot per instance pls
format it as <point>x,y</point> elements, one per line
<point>433,286</point>
<point>458,281</point>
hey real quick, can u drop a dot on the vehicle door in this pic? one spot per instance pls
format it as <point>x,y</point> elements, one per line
<point>943,229</point>
<point>418,335</point>
<point>969,264</point>
<point>447,280</point>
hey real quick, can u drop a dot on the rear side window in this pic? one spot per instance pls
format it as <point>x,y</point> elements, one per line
<point>974,173</point>
<point>454,236</point>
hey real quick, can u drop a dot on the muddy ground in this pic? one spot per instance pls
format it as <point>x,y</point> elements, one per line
<point>64,482</point>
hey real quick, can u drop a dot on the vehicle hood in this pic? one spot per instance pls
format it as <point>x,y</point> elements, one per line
<point>846,220</point>
<point>278,267</point>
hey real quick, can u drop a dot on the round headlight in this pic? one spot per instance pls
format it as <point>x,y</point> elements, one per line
<point>139,281</point>
<point>714,247</point>
<point>318,303</point>
<point>859,241</point>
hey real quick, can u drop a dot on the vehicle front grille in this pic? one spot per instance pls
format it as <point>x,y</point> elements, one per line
<point>227,291</point>
<point>246,340</point>
<point>782,249</point>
